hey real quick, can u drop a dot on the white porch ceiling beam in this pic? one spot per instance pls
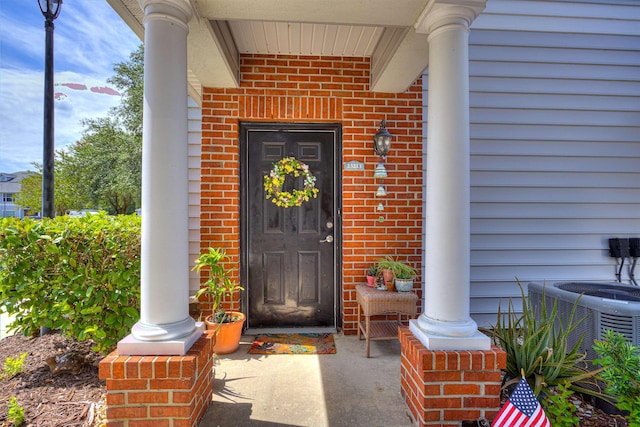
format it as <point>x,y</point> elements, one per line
<point>400,57</point>
<point>134,22</point>
<point>386,13</point>
<point>212,55</point>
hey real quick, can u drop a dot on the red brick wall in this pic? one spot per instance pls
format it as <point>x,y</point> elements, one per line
<point>443,388</point>
<point>321,89</point>
<point>159,390</point>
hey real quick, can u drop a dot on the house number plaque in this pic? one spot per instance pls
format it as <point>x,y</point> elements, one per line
<point>354,165</point>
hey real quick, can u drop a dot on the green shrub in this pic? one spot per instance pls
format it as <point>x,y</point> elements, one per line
<point>559,408</point>
<point>79,275</point>
<point>16,412</point>
<point>621,362</point>
<point>13,365</point>
<point>537,345</point>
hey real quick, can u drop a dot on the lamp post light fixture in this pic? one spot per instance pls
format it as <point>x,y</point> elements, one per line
<point>50,10</point>
<point>382,140</point>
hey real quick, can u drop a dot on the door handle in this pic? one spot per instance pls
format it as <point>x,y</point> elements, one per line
<point>327,239</point>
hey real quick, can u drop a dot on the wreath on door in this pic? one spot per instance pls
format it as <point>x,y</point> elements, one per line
<point>274,182</point>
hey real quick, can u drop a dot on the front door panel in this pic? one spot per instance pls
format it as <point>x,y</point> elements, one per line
<point>289,252</point>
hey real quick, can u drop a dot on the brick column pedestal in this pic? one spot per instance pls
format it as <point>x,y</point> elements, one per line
<point>159,391</point>
<point>444,388</point>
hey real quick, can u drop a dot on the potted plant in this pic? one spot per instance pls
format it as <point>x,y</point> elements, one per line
<point>226,324</point>
<point>385,268</point>
<point>398,274</point>
<point>404,276</point>
<point>372,274</point>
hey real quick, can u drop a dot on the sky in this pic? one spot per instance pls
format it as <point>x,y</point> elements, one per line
<point>89,39</point>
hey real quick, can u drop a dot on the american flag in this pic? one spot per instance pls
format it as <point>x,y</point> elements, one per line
<point>522,409</point>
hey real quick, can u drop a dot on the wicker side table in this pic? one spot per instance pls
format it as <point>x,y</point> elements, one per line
<point>372,302</point>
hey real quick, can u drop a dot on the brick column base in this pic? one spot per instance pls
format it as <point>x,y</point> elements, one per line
<point>444,388</point>
<point>159,391</point>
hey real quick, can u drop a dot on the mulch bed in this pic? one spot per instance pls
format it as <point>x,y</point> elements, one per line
<point>70,400</point>
<point>65,399</point>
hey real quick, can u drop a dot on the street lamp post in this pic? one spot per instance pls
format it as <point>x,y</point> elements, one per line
<point>50,10</point>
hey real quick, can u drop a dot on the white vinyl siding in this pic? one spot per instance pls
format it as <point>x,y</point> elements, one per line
<point>555,144</point>
<point>194,140</point>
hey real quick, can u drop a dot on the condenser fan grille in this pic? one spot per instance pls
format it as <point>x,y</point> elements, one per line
<point>621,324</point>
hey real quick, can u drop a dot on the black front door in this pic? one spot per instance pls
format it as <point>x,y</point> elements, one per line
<point>289,254</point>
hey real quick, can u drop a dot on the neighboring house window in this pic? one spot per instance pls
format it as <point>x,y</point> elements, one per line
<point>6,178</point>
<point>8,197</point>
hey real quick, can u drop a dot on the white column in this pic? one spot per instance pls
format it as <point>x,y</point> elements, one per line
<point>165,326</point>
<point>446,323</point>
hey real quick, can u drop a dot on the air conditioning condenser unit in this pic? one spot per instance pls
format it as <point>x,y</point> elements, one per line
<point>602,306</point>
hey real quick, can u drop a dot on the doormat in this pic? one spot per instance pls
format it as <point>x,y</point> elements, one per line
<point>293,344</point>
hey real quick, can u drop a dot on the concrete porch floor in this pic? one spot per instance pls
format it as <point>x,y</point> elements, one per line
<point>333,390</point>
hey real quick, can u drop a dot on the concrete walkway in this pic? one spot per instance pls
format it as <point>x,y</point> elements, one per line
<point>336,390</point>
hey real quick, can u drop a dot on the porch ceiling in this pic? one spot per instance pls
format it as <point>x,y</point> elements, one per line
<point>383,30</point>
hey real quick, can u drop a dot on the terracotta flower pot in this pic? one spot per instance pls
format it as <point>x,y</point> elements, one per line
<point>371,281</point>
<point>227,334</point>
<point>387,275</point>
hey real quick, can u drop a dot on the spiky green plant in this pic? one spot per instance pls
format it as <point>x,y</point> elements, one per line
<point>536,344</point>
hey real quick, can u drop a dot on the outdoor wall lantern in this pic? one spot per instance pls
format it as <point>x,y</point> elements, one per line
<point>381,192</point>
<point>382,140</point>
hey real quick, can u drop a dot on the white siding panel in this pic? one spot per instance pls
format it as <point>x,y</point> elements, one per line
<point>555,144</point>
<point>553,86</point>
<point>556,179</point>
<point>557,148</point>
<point>565,40</point>
<point>555,195</point>
<point>562,17</point>
<point>550,210</point>
<point>194,148</point>
<point>553,55</point>
<point>518,242</point>
<point>554,101</point>
<point>544,70</point>
<point>551,117</point>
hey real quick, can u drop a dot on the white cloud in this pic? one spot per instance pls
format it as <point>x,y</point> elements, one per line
<point>89,38</point>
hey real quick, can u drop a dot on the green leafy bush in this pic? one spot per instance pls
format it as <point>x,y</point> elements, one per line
<point>79,275</point>
<point>16,412</point>
<point>621,372</point>
<point>13,365</point>
<point>560,410</point>
<point>536,343</point>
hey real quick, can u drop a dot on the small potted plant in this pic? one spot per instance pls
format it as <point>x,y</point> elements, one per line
<point>404,275</point>
<point>226,324</point>
<point>372,274</point>
<point>396,273</point>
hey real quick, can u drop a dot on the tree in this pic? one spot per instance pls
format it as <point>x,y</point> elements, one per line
<point>30,195</point>
<point>106,165</point>
<point>104,169</point>
<point>129,79</point>
<point>67,195</point>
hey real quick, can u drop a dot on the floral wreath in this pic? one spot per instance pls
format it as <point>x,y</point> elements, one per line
<point>275,180</point>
